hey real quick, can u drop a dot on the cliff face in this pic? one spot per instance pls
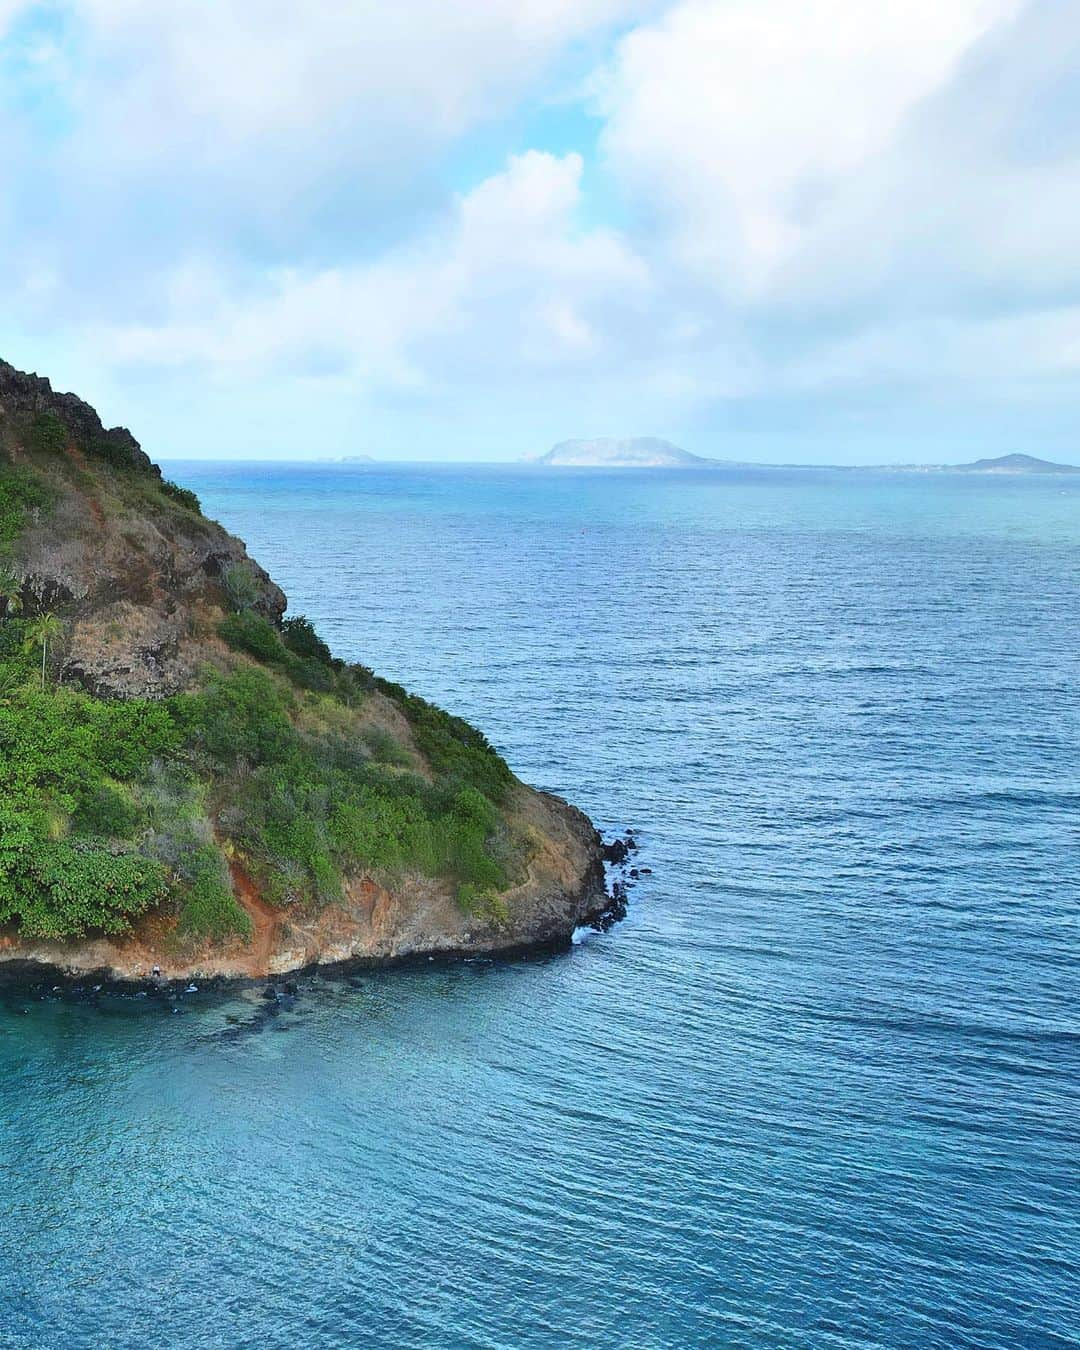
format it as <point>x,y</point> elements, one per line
<point>135,570</point>
<point>189,781</point>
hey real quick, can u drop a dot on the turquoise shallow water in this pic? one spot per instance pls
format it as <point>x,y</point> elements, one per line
<point>820,1088</point>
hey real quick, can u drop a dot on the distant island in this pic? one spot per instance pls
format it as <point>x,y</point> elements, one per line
<point>1014,464</point>
<point>636,452</point>
<point>649,452</point>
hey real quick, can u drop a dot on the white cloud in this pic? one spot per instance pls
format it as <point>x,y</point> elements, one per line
<point>261,131</point>
<point>737,120</point>
<point>345,80</point>
<point>507,282</point>
<point>996,354</point>
<point>813,198</point>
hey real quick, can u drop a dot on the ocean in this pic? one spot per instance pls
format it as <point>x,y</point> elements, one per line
<point>820,1088</point>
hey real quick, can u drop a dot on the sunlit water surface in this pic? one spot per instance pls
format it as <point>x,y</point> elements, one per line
<point>819,1089</point>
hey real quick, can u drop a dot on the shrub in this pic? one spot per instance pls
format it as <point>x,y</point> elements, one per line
<point>384,748</point>
<point>250,632</point>
<point>455,749</point>
<point>62,890</point>
<point>62,755</point>
<point>105,806</point>
<point>208,908</point>
<point>113,450</point>
<point>308,809</point>
<point>20,492</point>
<point>487,905</point>
<point>108,812</point>
<point>241,585</point>
<point>182,495</point>
<point>47,434</point>
<point>301,639</point>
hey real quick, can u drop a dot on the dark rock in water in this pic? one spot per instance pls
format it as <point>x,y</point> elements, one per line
<point>614,910</point>
<point>270,994</point>
<point>291,988</point>
<point>619,850</point>
<point>646,871</point>
<point>634,873</point>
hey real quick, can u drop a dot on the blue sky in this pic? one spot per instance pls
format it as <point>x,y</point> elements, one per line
<point>818,231</point>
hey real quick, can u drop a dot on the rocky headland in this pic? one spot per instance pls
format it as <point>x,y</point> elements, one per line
<point>192,783</point>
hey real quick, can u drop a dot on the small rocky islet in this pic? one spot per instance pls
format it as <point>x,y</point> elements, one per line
<point>192,783</point>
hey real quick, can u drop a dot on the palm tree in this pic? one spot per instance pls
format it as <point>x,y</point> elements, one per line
<point>44,629</point>
<point>10,592</point>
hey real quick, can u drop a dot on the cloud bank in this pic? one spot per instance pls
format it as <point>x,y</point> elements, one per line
<point>760,227</point>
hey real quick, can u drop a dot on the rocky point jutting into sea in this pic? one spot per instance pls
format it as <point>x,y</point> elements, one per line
<point>190,780</point>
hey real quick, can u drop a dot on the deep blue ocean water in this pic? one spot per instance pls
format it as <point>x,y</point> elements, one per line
<point>819,1089</point>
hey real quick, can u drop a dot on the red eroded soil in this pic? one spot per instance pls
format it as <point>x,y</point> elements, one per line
<point>265,921</point>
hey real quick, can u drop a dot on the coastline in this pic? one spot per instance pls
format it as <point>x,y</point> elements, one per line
<point>374,928</point>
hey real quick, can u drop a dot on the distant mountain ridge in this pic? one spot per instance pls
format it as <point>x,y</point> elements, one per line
<point>635,452</point>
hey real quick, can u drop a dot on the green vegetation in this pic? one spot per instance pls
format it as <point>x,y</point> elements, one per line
<point>306,807</point>
<point>61,754</point>
<point>106,807</point>
<point>303,641</point>
<point>20,493</point>
<point>10,592</point>
<point>184,496</point>
<point>452,747</point>
<point>47,434</point>
<point>40,632</point>
<point>287,764</point>
<point>241,586</point>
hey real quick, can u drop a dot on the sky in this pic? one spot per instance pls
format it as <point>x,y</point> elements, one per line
<point>796,230</point>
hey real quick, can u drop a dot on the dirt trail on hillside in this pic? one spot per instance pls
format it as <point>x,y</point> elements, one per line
<point>265,921</point>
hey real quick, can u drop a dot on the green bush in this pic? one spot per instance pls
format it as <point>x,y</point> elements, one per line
<point>20,492</point>
<point>184,496</point>
<point>208,907</point>
<point>487,905</point>
<point>295,656</point>
<point>115,451</point>
<point>303,641</point>
<point>384,748</point>
<point>106,807</point>
<point>109,812</point>
<point>308,810</point>
<point>58,889</point>
<point>240,716</point>
<point>250,632</point>
<point>61,754</point>
<point>47,434</point>
<point>454,748</point>
<point>241,585</point>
